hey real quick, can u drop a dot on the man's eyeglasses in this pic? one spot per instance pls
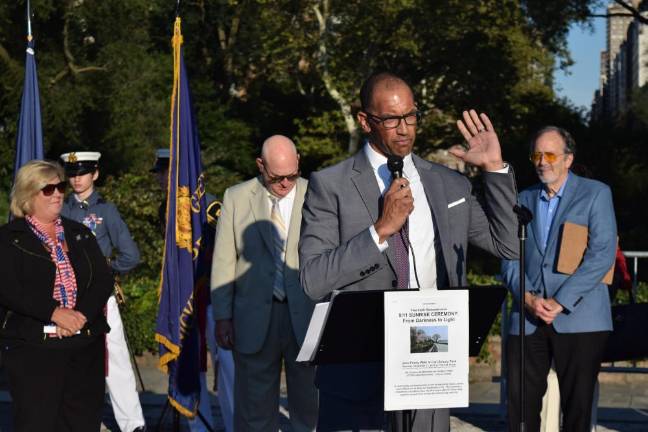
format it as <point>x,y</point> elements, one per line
<point>48,189</point>
<point>392,122</point>
<point>549,157</point>
<point>278,179</point>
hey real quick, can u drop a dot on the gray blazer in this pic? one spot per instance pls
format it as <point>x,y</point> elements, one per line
<point>243,265</point>
<point>343,201</point>
<point>337,251</point>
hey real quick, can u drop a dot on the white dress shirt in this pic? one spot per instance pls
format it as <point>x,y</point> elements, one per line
<point>421,226</point>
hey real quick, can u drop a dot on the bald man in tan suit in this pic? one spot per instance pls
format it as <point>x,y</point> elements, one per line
<point>260,309</point>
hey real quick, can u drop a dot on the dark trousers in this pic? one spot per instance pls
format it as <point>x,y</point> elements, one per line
<point>56,389</point>
<point>423,420</point>
<point>577,357</point>
<point>337,414</point>
<point>342,415</point>
<point>257,381</point>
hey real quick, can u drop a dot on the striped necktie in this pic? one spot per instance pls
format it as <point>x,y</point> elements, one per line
<point>279,242</point>
<point>401,253</point>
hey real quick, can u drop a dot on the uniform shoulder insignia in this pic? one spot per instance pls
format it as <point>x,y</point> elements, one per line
<point>213,212</point>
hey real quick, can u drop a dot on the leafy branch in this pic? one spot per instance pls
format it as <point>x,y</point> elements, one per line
<point>328,80</point>
<point>70,63</point>
<point>632,12</point>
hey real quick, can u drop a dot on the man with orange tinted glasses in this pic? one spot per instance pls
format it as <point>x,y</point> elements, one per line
<point>568,317</point>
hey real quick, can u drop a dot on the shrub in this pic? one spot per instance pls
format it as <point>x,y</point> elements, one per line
<point>139,313</point>
<point>138,199</point>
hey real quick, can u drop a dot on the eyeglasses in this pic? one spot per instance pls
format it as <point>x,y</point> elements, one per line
<point>278,179</point>
<point>392,122</point>
<point>48,189</point>
<point>549,157</point>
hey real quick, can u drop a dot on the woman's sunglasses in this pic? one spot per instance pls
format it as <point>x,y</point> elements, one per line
<point>48,189</point>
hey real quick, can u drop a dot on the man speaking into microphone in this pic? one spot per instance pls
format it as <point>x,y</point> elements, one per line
<point>364,228</point>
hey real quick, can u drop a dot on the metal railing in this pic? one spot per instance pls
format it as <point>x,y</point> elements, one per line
<point>634,255</point>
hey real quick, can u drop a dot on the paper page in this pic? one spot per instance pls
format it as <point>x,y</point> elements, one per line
<point>314,333</point>
<point>426,349</point>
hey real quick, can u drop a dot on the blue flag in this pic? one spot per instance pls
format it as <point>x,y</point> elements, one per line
<point>29,144</point>
<point>177,328</point>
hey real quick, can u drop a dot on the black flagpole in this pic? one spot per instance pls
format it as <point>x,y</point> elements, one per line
<point>524,217</point>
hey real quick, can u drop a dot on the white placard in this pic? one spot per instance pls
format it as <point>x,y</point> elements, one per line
<point>426,349</point>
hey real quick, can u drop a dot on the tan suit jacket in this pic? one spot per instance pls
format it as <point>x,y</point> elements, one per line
<point>243,266</point>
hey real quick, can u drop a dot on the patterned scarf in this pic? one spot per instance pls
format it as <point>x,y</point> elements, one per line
<point>65,286</point>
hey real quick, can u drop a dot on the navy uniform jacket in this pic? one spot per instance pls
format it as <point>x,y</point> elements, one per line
<point>106,223</point>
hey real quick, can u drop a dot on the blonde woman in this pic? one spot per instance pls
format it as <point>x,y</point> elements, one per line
<point>55,284</point>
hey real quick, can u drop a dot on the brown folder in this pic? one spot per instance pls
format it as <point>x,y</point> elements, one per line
<point>572,248</point>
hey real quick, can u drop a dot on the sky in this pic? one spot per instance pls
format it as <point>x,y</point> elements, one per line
<point>581,80</point>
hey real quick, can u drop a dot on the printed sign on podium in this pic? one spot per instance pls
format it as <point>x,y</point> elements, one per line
<point>426,349</point>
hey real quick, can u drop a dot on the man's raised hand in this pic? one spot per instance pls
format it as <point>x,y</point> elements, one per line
<point>483,149</point>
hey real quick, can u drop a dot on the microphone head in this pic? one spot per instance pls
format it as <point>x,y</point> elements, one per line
<point>395,165</point>
<point>524,214</point>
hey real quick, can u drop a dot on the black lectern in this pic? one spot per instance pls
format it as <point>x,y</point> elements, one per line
<point>354,327</point>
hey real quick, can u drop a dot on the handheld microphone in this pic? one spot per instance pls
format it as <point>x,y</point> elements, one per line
<point>395,165</point>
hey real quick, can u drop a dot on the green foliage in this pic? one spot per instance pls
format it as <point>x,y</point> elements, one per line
<point>228,148</point>
<point>4,206</point>
<point>616,153</point>
<point>258,68</point>
<point>139,312</point>
<point>623,297</point>
<point>318,140</point>
<point>481,279</point>
<point>138,199</point>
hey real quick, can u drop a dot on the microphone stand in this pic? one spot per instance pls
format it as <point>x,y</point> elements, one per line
<point>524,217</point>
<point>395,166</point>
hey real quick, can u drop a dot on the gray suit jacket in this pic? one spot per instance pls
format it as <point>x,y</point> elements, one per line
<point>337,251</point>
<point>243,265</point>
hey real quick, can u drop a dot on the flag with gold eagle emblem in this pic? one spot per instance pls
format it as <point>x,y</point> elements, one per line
<point>178,321</point>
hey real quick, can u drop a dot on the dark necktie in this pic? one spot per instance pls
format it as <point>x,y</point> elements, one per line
<point>401,252</point>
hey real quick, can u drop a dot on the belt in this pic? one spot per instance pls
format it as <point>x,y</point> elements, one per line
<point>275,299</point>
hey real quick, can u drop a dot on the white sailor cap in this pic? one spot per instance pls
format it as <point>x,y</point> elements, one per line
<point>79,163</point>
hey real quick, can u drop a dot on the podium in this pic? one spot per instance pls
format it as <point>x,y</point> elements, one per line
<point>346,338</point>
<point>353,329</point>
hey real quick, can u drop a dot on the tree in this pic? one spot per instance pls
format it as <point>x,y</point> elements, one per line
<point>261,67</point>
<point>616,153</point>
<point>264,66</point>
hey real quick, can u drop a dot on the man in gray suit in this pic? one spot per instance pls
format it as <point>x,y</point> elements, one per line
<point>260,309</point>
<point>358,224</point>
<point>568,317</point>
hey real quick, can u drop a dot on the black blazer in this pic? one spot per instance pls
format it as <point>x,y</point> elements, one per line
<point>27,283</point>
